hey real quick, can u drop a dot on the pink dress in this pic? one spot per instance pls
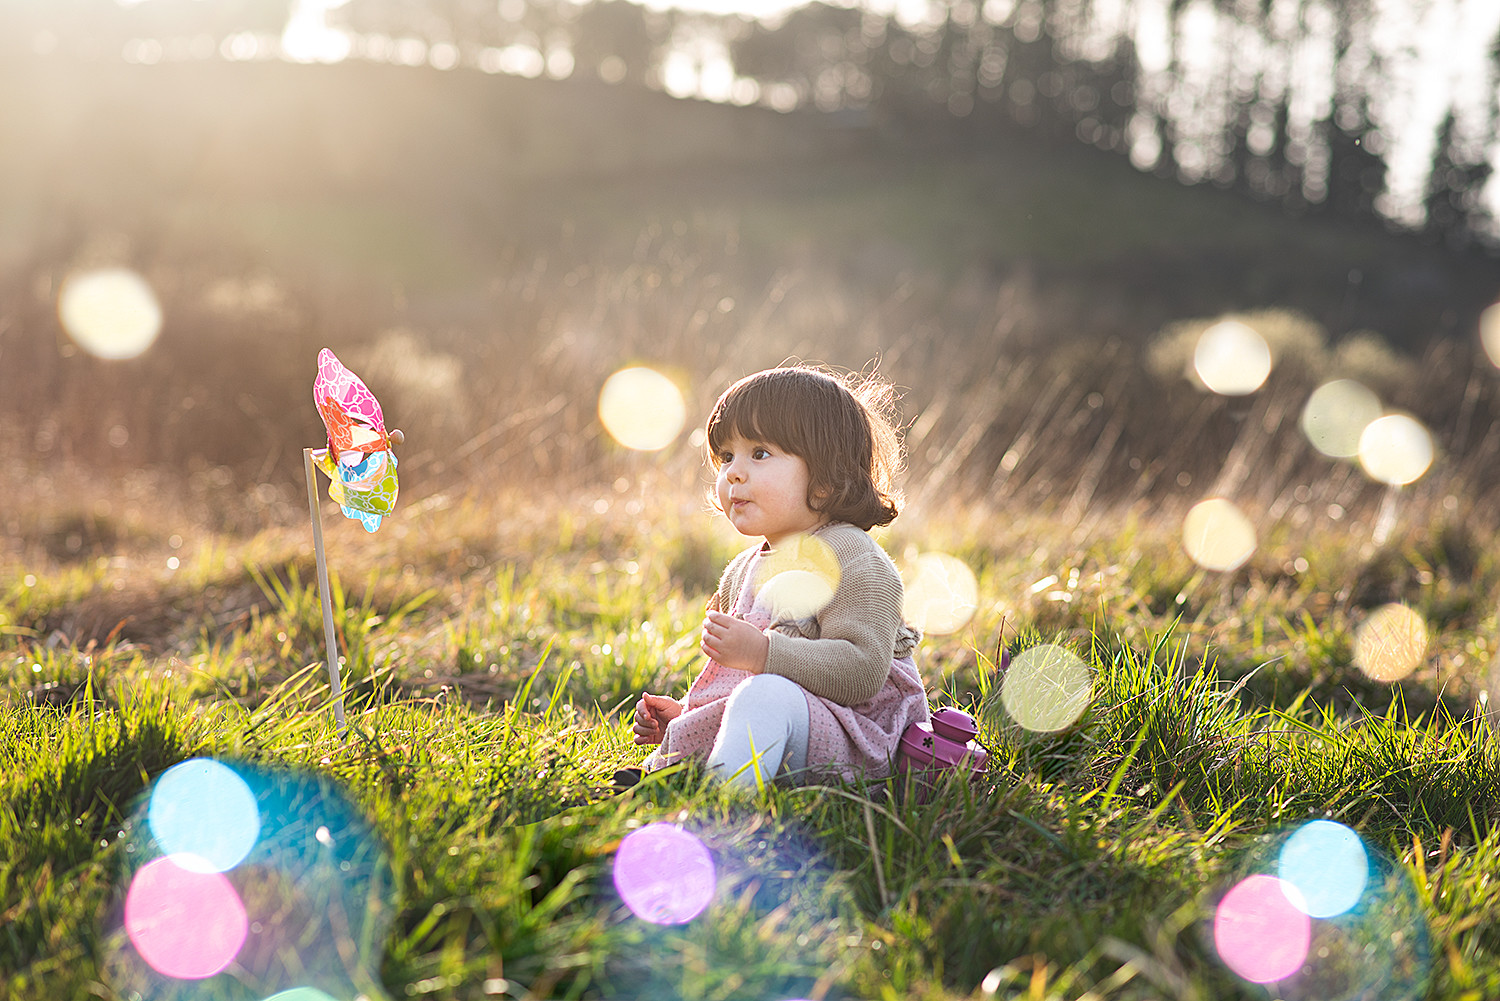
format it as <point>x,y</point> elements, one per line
<point>843,741</point>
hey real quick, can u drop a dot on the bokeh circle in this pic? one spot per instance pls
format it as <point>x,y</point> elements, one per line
<point>1232,359</point>
<point>203,810</point>
<point>1046,688</point>
<point>1260,931</point>
<point>1217,535</point>
<point>1395,449</point>
<point>941,593</point>
<point>184,922</point>
<point>642,409</point>
<point>109,312</point>
<point>797,579</point>
<point>1336,415</point>
<point>1326,861</point>
<point>1391,643</point>
<point>664,874</point>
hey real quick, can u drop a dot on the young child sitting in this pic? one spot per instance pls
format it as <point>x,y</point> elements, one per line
<point>804,464</point>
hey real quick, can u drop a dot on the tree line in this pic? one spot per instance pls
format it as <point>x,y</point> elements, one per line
<point>970,71</point>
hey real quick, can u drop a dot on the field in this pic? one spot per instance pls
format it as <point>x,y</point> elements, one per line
<point>158,603</point>
<point>495,639</point>
<point>486,717</point>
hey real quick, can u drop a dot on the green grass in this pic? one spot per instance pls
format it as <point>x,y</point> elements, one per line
<point>487,709</point>
<point>156,597</point>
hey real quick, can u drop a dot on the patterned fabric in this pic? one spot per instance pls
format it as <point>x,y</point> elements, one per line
<point>843,740</point>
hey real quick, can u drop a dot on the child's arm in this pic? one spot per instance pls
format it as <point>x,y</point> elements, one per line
<point>851,658</point>
<point>652,714</point>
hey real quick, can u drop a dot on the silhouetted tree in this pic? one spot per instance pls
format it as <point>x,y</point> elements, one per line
<point>1455,213</point>
<point>1114,80</point>
<point>617,29</point>
<point>809,38</point>
<point>1356,171</point>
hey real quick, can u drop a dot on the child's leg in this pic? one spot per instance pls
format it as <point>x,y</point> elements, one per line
<point>765,726</point>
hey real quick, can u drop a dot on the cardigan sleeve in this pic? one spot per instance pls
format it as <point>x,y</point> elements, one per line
<point>850,659</point>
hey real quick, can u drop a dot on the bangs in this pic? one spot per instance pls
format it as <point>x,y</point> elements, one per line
<point>773,408</point>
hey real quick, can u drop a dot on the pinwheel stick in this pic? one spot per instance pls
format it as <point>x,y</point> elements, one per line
<point>331,641</point>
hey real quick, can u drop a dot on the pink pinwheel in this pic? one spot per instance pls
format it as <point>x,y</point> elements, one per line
<point>361,470</point>
<point>350,411</point>
<point>358,461</point>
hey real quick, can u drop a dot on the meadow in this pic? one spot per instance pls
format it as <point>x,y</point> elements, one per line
<point>158,604</point>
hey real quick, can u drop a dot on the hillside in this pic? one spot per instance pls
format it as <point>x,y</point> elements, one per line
<point>369,176</point>
<point>492,248</point>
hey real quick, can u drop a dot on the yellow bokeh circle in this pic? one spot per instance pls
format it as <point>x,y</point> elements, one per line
<point>1489,332</point>
<point>1046,688</point>
<point>109,312</point>
<point>942,593</point>
<point>797,579</point>
<point>1232,359</point>
<point>642,409</point>
<point>1217,535</point>
<point>1335,416</point>
<point>1390,644</point>
<point>1396,449</point>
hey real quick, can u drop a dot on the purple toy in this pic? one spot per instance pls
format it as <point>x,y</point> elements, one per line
<point>945,743</point>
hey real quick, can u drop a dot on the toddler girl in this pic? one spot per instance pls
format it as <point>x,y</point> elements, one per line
<point>816,677</point>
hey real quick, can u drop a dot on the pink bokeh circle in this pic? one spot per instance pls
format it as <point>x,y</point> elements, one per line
<point>664,874</point>
<point>1260,932</point>
<point>185,924</point>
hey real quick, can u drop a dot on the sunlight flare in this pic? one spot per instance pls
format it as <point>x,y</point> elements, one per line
<point>942,594</point>
<point>664,874</point>
<point>642,409</point>
<point>1232,359</point>
<point>1217,535</point>
<point>1391,643</point>
<point>110,312</point>
<point>300,906</point>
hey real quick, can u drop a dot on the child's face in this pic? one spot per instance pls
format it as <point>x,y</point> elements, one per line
<point>762,490</point>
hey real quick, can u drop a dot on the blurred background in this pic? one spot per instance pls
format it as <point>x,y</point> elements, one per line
<point>1025,211</point>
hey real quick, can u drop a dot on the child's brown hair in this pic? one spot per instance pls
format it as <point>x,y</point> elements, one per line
<point>843,428</point>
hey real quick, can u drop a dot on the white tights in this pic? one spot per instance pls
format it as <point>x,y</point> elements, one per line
<point>765,727</point>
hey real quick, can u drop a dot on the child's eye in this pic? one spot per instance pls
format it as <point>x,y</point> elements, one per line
<point>725,458</point>
<point>761,453</point>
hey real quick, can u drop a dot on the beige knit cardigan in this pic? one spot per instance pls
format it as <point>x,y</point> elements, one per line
<point>852,658</point>
<point>844,652</point>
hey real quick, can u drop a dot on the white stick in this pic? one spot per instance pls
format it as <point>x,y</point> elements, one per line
<point>330,641</point>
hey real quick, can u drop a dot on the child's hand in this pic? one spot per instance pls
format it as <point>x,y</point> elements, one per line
<point>652,714</point>
<point>735,643</point>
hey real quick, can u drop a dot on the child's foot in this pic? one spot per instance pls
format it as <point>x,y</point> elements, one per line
<point>625,779</point>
